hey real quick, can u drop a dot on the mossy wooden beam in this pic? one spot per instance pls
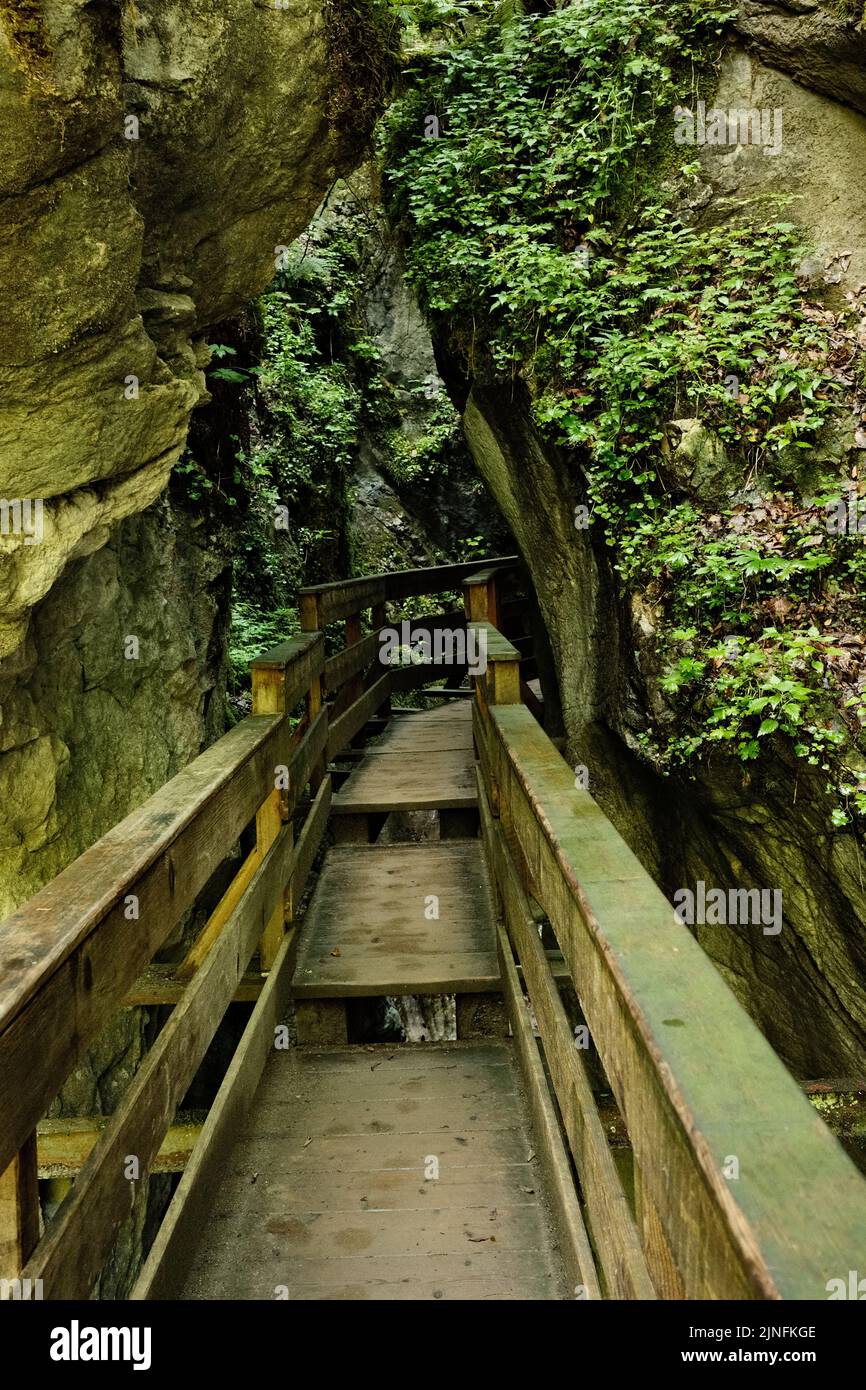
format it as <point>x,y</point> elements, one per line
<point>755,1197</point>
<point>76,949</point>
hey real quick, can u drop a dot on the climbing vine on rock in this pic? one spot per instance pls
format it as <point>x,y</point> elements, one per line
<point>555,233</point>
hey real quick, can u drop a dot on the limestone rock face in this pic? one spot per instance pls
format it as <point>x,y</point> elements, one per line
<point>119,683</point>
<point>821,45</point>
<point>152,158</point>
<point>698,461</point>
<point>731,826</point>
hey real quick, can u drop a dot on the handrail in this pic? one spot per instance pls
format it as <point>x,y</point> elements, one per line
<point>74,951</point>
<point>321,604</point>
<point>71,952</point>
<point>72,955</point>
<point>742,1191</point>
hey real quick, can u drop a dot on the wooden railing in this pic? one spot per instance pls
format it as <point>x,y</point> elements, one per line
<point>356,684</point>
<point>740,1189</point>
<point>82,948</point>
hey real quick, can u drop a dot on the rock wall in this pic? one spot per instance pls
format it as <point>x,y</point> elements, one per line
<point>154,156</point>
<point>402,512</point>
<point>729,826</point>
<point>116,687</point>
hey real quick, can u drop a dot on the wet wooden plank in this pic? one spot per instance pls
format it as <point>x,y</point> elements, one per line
<point>372,1215</point>
<point>368,929</point>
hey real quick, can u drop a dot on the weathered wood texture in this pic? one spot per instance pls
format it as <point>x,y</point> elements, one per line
<point>74,950</point>
<point>327,603</point>
<point>65,1145</point>
<point>191,1203</point>
<point>370,928</point>
<point>435,769</point>
<point>19,1210</point>
<point>276,688</point>
<point>162,984</point>
<point>573,1239</point>
<point>480,596</point>
<point>347,663</point>
<point>83,1231</point>
<point>696,1082</point>
<point>288,671</point>
<point>403,1173</point>
<point>343,729</point>
<point>614,1232</point>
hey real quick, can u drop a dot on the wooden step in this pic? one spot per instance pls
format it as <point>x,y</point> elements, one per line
<point>442,1200</point>
<point>368,929</point>
<point>421,762</point>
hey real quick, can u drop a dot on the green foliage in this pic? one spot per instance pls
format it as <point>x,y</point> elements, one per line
<point>309,400</point>
<point>745,691</point>
<point>550,234</point>
<point>318,389</point>
<point>363,38</point>
<point>410,457</point>
<point>539,144</point>
<point>252,633</point>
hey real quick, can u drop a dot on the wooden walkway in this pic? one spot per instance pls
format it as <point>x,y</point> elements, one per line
<point>382,1173</point>
<point>440,853</point>
<point>388,1172</point>
<point>422,761</point>
<point>371,928</point>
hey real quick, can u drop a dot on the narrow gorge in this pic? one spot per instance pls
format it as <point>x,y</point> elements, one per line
<point>303,292</point>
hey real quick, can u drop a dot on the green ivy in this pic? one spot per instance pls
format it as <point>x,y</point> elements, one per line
<point>550,235</point>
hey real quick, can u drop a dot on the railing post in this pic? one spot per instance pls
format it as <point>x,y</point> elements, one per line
<point>269,697</point>
<point>499,685</point>
<point>309,609</point>
<point>502,677</point>
<point>19,1211</point>
<point>480,598</point>
<point>378,619</point>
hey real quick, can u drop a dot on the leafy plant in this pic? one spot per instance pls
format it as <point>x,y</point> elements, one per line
<point>550,235</point>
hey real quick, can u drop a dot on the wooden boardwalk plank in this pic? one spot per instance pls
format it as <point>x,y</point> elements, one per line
<point>367,930</point>
<point>435,769</point>
<point>421,780</point>
<point>450,733</point>
<point>316,1205</point>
